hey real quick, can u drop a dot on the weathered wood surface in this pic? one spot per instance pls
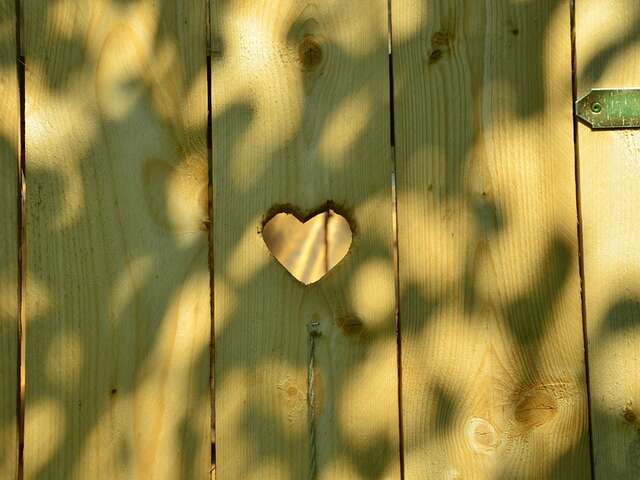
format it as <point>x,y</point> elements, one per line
<point>117,294</point>
<point>607,32</point>
<point>301,117</point>
<point>9,268</point>
<point>493,375</point>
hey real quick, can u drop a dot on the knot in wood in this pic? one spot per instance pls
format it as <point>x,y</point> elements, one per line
<point>350,324</point>
<point>535,407</point>
<point>310,53</point>
<point>629,415</point>
<point>482,436</point>
<point>441,39</point>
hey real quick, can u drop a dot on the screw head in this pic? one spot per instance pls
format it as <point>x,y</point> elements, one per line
<point>314,329</point>
<point>596,107</point>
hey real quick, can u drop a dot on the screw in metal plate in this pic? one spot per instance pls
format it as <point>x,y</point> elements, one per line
<point>596,107</point>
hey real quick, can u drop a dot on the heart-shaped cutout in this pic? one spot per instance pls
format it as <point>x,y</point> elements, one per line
<point>309,249</point>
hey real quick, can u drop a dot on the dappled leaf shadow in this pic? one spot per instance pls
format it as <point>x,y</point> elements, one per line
<point>114,351</point>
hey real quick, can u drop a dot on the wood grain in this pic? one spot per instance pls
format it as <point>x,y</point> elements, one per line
<point>607,57</point>
<point>493,377</point>
<point>9,268</point>
<point>300,118</point>
<point>117,294</point>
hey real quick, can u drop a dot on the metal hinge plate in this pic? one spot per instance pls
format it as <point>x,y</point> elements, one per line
<point>604,108</point>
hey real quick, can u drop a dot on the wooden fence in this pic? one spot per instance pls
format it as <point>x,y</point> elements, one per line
<point>483,323</point>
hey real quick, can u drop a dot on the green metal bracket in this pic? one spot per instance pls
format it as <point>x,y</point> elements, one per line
<point>605,108</point>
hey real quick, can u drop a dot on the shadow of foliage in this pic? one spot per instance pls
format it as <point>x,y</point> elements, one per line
<point>128,339</point>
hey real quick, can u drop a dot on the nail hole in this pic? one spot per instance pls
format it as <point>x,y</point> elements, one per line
<point>308,249</point>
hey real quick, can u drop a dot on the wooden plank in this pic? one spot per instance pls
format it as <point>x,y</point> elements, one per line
<point>117,295</point>
<point>493,378</point>
<point>607,56</point>
<point>9,268</point>
<point>301,117</point>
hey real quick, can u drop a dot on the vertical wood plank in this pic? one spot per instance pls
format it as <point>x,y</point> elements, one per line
<point>493,378</point>
<point>607,51</point>
<point>300,118</point>
<point>9,268</point>
<point>117,295</point>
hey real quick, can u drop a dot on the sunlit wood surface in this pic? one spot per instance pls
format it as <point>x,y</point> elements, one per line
<point>301,117</point>
<point>493,374</point>
<point>117,295</point>
<point>607,34</point>
<point>439,336</point>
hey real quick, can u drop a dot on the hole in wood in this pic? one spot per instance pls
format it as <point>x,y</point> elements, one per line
<point>308,249</point>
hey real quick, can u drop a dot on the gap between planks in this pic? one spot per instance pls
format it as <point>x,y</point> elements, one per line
<point>396,252</point>
<point>21,200</point>
<point>212,468</point>
<point>576,150</point>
